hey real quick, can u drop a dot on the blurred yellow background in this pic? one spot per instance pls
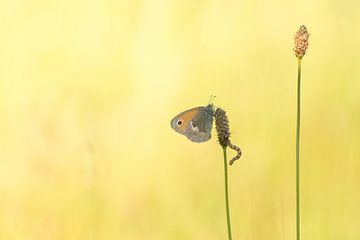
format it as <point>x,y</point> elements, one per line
<point>88,89</point>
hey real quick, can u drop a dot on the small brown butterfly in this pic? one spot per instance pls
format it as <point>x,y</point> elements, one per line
<point>195,123</point>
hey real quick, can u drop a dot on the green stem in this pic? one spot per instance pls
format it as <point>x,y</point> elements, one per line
<point>298,154</point>
<point>227,195</point>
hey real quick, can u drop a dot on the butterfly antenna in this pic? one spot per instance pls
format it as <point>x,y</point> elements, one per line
<point>211,98</point>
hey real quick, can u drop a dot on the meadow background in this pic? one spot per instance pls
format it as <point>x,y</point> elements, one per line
<point>88,89</point>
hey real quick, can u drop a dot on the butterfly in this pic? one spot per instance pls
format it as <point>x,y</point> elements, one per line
<point>195,123</point>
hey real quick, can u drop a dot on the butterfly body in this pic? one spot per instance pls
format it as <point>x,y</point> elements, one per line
<point>195,123</point>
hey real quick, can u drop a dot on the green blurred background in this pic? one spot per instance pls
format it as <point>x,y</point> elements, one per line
<point>88,89</point>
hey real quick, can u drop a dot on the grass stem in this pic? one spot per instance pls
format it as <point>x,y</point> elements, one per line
<point>298,153</point>
<point>227,195</point>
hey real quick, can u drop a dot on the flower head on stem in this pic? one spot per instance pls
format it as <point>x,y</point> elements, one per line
<point>301,41</point>
<point>301,45</point>
<point>222,128</point>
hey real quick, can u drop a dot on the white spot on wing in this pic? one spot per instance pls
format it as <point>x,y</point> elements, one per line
<point>195,129</point>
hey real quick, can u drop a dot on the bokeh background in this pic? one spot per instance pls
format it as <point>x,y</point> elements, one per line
<point>88,89</point>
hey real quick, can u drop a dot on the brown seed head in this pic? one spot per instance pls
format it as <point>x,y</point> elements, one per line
<point>222,127</point>
<point>301,41</point>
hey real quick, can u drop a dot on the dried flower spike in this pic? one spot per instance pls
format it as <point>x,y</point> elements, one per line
<point>222,128</point>
<point>301,41</point>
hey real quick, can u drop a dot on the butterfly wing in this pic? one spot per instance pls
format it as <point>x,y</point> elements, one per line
<point>181,121</point>
<point>195,123</point>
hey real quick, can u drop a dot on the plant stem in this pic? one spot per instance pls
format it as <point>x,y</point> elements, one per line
<point>298,154</point>
<point>227,195</point>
